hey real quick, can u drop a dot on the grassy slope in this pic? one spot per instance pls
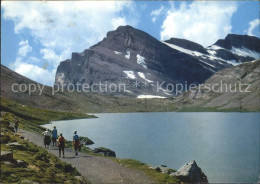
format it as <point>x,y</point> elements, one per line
<point>31,117</point>
<point>42,167</point>
<point>247,73</point>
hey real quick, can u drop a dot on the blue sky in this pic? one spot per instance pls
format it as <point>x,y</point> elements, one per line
<point>36,36</point>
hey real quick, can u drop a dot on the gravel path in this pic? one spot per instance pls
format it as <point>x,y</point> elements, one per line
<point>97,170</point>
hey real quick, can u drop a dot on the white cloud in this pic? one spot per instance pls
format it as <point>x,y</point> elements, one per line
<point>63,27</point>
<point>34,72</point>
<point>202,22</point>
<point>119,21</point>
<point>157,12</point>
<point>27,66</point>
<point>24,48</point>
<point>51,56</point>
<point>252,25</point>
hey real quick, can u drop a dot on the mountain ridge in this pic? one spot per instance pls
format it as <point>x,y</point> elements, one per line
<point>127,55</point>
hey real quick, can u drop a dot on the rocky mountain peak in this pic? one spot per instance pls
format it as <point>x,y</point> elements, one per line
<point>240,41</point>
<point>127,37</point>
<point>187,45</point>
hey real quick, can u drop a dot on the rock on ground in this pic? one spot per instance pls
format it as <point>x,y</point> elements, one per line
<point>105,151</point>
<point>6,156</point>
<point>191,173</point>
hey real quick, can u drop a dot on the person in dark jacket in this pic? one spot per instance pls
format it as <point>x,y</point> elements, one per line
<point>54,136</point>
<point>76,143</point>
<point>47,138</point>
<point>61,145</point>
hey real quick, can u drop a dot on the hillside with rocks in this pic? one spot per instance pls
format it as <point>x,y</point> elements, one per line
<point>231,96</point>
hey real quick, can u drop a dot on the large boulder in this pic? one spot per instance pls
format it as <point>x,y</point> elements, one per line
<point>86,141</point>
<point>105,152</point>
<point>191,173</point>
<point>16,145</point>
<point>6,156</point>
<point>21,163</point>
<point>5,138</point>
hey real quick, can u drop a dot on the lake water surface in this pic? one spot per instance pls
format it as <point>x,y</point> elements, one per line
<point>224,145</point>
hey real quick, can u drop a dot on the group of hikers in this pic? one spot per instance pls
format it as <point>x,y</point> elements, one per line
<point>53,136</point>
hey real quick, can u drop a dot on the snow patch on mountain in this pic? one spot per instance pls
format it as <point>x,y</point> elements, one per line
<point>128,91</point>
<point>143,76</point>
<point>179,48</point>
<point>149,96</point>
<point>215,47</point>
<point>127,56</point>
<point>235,50</point>
<point>212,54</point>
<point>195,53</point>
<point>117,53</point>
<point>245,52</point>
<point>130,74</point>
<point>233,62</point>
<point>140,61</point>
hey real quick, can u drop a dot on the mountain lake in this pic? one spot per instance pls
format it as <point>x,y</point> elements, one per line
<point>224,145</point>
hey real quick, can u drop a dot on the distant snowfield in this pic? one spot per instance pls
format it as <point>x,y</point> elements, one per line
<point>245,52</point>
<point>212,53</point>
<point>149,96</point>
<point>130,74</point>
<point>237,51</point>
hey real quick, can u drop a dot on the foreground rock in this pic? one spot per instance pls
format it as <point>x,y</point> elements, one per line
<point>191,173</point>
<point>86,141</point>
<point>105,152</point>
<point>163,169</point>
<point>21,163</point>
<point>6,156</point>
<point>16,145</point>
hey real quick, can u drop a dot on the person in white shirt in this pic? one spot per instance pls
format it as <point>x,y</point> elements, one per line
<point>47,138</point>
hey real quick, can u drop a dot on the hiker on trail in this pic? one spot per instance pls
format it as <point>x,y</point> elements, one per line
<point>76,143</point>
<point>47,138</point>
<point>61,144</point>
<point>16,125</point>
<point>54,135</point>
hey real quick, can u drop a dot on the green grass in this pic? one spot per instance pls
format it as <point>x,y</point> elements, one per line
<point>30,117</point>
<point>156,176</point>
<point>42,167</point>
<point>213,109</point>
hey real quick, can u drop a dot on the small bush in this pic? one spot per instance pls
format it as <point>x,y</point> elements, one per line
<point>58,165</point>
<point>42,156</point>
<point>5,139</point>
<point>68,168</point>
